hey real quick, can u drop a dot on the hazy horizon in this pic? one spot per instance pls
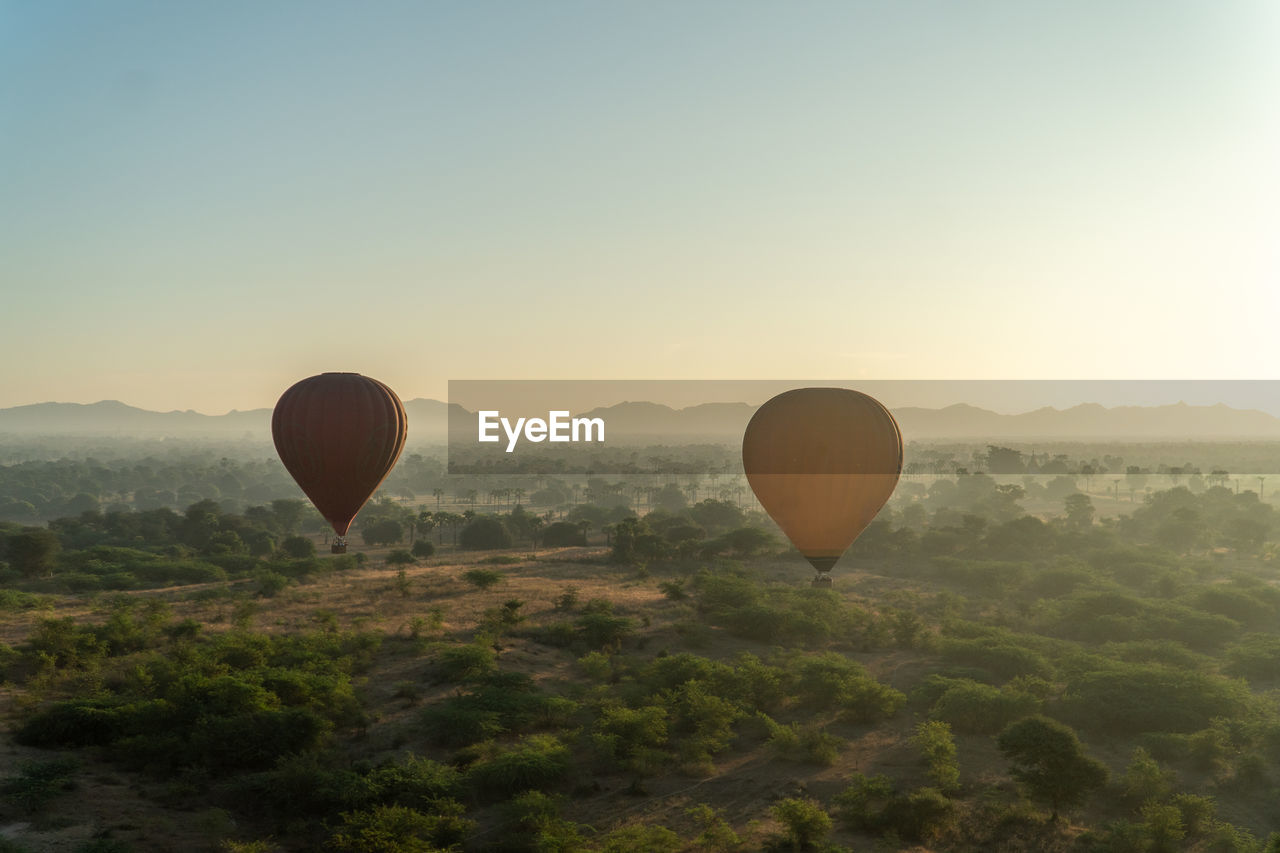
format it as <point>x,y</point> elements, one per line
<point>1006,397</point>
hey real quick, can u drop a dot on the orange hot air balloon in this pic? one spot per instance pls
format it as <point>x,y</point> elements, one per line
<point>822,461</point>
<point>339,435</point>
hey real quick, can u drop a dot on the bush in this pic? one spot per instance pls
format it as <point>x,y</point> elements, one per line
<point>1134,698</point>
<point>650,839</point>
<point>804,820</point>
<point>466,663</point>
<point>830,681</point>
<point>1256,657</point>
<point>1002,658</point>
<point>717,834</point>
<point>396,829</point>
<point>482,578</point>
<point>531,822</point>
<point>631,738</point>
<point>298,547</point>
<point>938,748</point>
<point>39,782</point>
<point>270,583</point>
<point>422,549</point>
<point>919,816</point>
<point>975,708</point>
<point>537,762</point>
<point>598,628</point>
<point>810,743</point>
<point>861,803</point>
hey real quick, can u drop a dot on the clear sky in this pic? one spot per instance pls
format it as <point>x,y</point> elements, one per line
<point>202,202</point>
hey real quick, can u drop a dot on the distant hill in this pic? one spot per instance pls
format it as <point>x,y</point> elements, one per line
<point>111,417</point>
<point>1091,421</point>
<point>707,421</point>
<point>431,420</point>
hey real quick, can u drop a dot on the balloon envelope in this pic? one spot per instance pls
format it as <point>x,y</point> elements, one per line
<point>339,435</point>
<point>822,461</point>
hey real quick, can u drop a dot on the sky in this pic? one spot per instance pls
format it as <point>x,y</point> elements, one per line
<point>201,203</point>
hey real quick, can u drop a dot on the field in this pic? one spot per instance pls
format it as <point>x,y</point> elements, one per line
<point>578,698</point>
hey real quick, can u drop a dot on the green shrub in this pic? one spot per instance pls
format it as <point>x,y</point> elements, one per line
<point>860,804</point>
<point>298,547</point>
<point>400,557</point>
<point>536,762</point>
<point>810,743</point>
<point>717,835</point>
<point>482,578</point>
<point>803,819</point>
<point>975,708</point>
<point>632,738</point>
<point>601,629</point>
<point>498,702</point>
<point>938,748</point>
<point>1255,656</point>
<point>1001,658</point>
<point>270,583</point>
<point>1134,698</point>
<point>466,663</point>
<point>920,816</point>
<point>38,783</point>
<point>396,829</point>
<point>531,821</point>
<point>650,839</point>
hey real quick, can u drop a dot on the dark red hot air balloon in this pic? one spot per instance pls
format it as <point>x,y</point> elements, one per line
<point>339,435</point>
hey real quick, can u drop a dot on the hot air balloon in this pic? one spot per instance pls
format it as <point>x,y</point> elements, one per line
<point>822,462</point>
<point>339,435</point>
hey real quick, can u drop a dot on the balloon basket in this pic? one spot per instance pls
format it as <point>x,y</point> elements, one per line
<point>338,548</point>
<point>823,581</point>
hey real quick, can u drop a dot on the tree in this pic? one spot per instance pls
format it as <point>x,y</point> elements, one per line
<point>1079,511</point>
<point>563,534</point>
<point>1004,460</point>
<point>670,498</point>
<point>386,532</point>
<point>33,551</point>
<point>806,821</point>
<point>1163,824</point>
<point>423,549</point>
<point>288,513</point>
<point>938,748</point>
<point>298,547</point>
<point>485,532</point>
<point>749,541</point>
<point>1049,760</point>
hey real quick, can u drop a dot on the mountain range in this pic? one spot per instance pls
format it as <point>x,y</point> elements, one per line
<point>431,420</point>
